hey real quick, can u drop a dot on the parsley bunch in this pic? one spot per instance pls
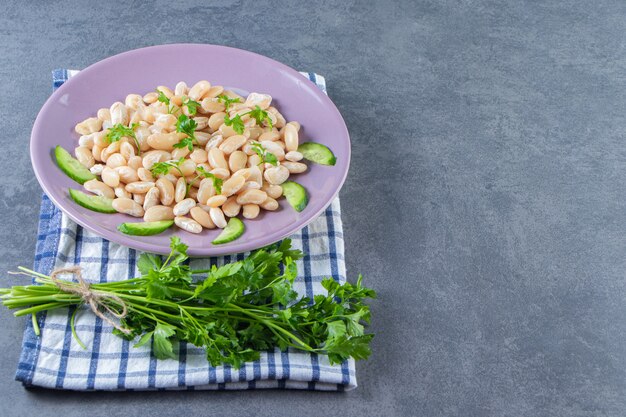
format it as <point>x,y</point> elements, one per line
<point>233,311</point>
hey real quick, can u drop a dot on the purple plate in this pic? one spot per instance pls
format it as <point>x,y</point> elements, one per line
<point>140,71</point>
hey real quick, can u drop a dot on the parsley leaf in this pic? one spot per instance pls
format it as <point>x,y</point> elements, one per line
<point>217,182</point>
<point>118,131</point>
<point>266,156</point>
<point>187,126</point>
<point>223,98</point>
<point>163,168</point>
<point>192,106</point>
<point>261,116</point>
<point>148,262</point>
<point>161,345</point>
<point>235,122</point>
<point>163,98</point>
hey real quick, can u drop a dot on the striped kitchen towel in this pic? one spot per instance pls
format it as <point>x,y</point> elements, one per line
<point>55,360</point>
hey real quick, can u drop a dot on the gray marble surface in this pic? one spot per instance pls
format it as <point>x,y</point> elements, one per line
<point>485,200</point>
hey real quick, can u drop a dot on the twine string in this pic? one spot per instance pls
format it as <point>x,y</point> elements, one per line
<point>99,303</point>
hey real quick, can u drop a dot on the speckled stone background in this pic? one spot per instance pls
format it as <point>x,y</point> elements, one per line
<point>485,201</point>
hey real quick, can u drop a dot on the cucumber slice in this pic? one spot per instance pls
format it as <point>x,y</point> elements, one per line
<point>145,228</point>
<point>296,195</point>
<point>72,168</point>
<point>318,153</point>
<point>232,231</point>
<point>93,202</point>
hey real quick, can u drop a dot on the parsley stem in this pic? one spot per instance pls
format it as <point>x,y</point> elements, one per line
<point>73,327</point>
<point>33,318</point>
<point>38,308</point>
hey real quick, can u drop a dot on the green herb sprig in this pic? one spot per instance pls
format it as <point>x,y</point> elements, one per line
<point>233,311</point>
<point>260,115</point>
<point>264,154</point>
<point>117,132</point>
<point>188,126</point>
<point>164,168</point>
<point>223,98</point>
<point>192,105</point>
<point>217,182</point>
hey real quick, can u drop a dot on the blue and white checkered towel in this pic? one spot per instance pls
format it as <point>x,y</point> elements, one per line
<point>55,360</point>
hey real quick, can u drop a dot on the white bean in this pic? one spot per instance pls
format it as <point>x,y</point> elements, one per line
<point>110,177</point>
<point>88,126</point>
<point>127,150</point>
<point>206,190</point>
<point>216,201</point>
<point>99,188</point>
<point>181,89</point>
<point>290,135</point>
<point>145,174</point>
<point>274,148</point>
<point>164,141</point>
<point>84,156</point>
<point>104,114</point>
<point>158,213</point>
<point>133,101</point>
<point>233,185</point>
<point>181,190</point>
<point>127,174</point>
<point>293,156</point>
<point>221,173</point>
<point>135,162</point>
<point>187,224</point>
<point>182,207</point>
<point>119,114</point>
<point>202,217</point>
<point>96,169</point>
<point>128,206</point>
<point>152,198</point>
<point>216,159</point>
<point>233,143</point>
<point>269,204</point>
<point>231,208</point>
<point>277,175</point>
<point>116,160</point>
<point>139,199</point>
<point>110,150</point>
<point>152,157</point>
<point>251,211</point>
<point>86,140</point>
<point>212,105</point>
<point>274,191</point>
<point>272,136</point>
<point>216,120</point>
<point>250,185</point>
<point>199,90</point>
<point>251,196</point>
<point>139,187</point>
<point>295,167</point>
<point>217,215</point>
<point>120,191</point>
<point>178,153</point>
<point>166,190</point>
<point>256,99</point>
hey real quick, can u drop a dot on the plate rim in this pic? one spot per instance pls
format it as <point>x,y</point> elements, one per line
<point>156,248</point>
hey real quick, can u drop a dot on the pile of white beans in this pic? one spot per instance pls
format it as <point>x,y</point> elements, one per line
<point>249,185</point>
